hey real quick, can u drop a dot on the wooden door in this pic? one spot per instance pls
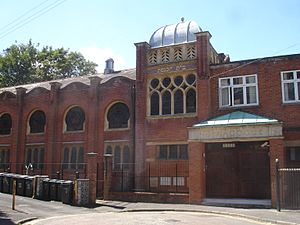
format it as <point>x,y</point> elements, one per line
<point>242,171</point>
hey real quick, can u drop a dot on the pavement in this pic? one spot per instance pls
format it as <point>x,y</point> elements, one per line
<point>272,216</point>
<point>33,216</point>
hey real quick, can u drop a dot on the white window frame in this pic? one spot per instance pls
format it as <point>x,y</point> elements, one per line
<point>295,81</point>
<point>231,87</point>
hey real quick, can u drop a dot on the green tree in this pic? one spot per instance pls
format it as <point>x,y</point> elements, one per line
<point>26,63</point>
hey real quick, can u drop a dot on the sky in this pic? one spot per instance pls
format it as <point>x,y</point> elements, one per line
<point>103,29</point>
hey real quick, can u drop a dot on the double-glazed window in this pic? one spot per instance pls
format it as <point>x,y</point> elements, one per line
<point>4,158</point>
<point>37,122</point>
<point>121,155</point>
<point>73,157</point>
<point>35,156</point>
<point>75,119</point>
<point>172,95</point>
<point>238,91</point>
<point>118,116</point>
<point>5,124</point>
<point>291,86</point>
<point>172,152</point>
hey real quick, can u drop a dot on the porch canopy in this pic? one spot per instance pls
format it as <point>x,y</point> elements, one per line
<point>236,126</point>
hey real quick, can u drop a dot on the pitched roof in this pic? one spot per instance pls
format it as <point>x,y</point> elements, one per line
<point>236,118</point>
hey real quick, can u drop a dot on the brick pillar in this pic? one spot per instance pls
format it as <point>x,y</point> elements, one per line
<point>52,153</point>
<point>140,111</point>
<point>196,172</point>
<point>276,152</point>
<point>203,72</point>
<point>92,176</point>
<point>203,53</point>
<point>18,158</point>
<point>107,175</point>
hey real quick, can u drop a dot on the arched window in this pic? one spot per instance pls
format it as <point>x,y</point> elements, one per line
<point>154,104</point>
<point>191,101</point>
<point>75,119</point>
<point>178,102</point>
<point>172,95</point>
<point>166,103</point>
<point>126,157</point>
<point>37,122</point>
<point>118,116</point>
<point>120,155</point>
<point>5,124</point>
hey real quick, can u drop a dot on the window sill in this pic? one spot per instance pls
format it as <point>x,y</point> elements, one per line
<point>291,103</point>
<point>175,116</point>
<point>117,129</point>
<point>74,132</point>
<point>37,134</point>
<point>237,107</point>
<point>4,135</point>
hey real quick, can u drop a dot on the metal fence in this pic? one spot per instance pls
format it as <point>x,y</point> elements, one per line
<point>289,185</point>
<point>158,176</point>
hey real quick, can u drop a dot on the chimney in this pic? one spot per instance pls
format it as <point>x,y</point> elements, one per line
<point>109,66</point>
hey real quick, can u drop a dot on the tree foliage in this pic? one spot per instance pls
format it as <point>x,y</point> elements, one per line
<point>26,63</point>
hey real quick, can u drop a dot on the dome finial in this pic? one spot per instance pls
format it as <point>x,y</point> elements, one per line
<point>182,19</point>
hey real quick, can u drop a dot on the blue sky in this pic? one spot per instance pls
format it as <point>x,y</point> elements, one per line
<point>101,29</point>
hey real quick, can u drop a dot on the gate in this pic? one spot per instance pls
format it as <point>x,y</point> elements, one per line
<point>289,188</point>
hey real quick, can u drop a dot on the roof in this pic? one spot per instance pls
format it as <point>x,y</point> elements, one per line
<point>127,73</point>
<point>182,32</point>
<point>236,118</point>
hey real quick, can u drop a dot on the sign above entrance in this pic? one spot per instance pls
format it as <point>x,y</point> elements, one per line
<point>235,133</point>
<point>171,69</point>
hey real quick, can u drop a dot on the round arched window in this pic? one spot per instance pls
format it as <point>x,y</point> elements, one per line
<point>37,122</point>
<point>5,124</point>
<point>118,116</point>
<point>75,119</point>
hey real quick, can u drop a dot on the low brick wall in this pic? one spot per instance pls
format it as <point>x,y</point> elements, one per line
<point>150,197</point>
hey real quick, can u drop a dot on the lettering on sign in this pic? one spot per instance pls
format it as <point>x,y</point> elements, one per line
<point>171,69</point>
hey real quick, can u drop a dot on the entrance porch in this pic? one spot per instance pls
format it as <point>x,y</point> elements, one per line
<point>233,157</point>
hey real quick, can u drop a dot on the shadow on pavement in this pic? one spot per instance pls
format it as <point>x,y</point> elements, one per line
<point>5,220</point>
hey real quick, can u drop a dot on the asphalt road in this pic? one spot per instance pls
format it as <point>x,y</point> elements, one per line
<point>145,218</point>
<point>27,208</point>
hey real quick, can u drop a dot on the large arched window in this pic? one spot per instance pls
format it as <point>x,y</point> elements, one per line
<point>5,124</point>
<point>176,93</point>
<point>191,101</point>
<point>37,122</point>
<point>154,104</point>
<point>118,116</point>
<point>75,119</point>
<point>120,153</point>
<point>166,103</point>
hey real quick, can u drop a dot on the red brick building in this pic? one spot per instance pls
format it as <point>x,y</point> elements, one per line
<point>185,120</point>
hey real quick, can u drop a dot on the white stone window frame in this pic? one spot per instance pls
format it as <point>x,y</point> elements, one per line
<point>231,87</point>
<point>122,145</point>
<point>106,122</point>
<point>294,81</point>
<point>65,123</point>
<point>28,132</point>
<point>67,163</point>
<point>160,93</point>
<point>40,153</point>
<point>5,151</point>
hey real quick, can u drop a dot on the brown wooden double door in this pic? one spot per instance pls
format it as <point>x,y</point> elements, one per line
<point>239,170</point>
